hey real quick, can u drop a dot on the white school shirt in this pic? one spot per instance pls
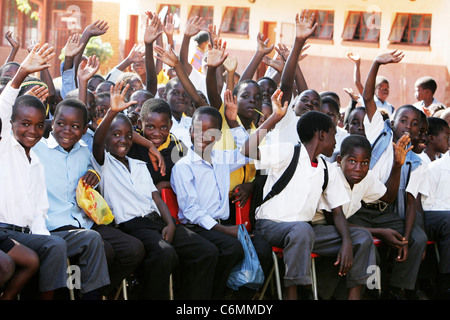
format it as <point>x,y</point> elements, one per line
<point>438,182</point>
<point>128,193</point>
<point>299,199</point>
<point>368,190</point>
<point>23,193</point>
<point>286,129</point>
<point>180,129</point>
<point>382,169</point>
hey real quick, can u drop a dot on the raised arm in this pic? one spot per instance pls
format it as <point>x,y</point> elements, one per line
<point>15,45</point>
<point>153,30</point>
<point>118,104</point>
<point>369,87</point>
<point>250,148</point>
<point>356,71</point>
<point>261,51</point>
<point>216,57</point>
<point>169,57</point>
<point>95,29</point>
<point>304,28</point>
<point>230,65</point>
<point>193,26</point>
<point>85,72</point>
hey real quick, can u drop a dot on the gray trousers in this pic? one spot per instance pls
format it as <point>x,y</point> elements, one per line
<point>404,274</point>
<point>299,239</point>
<point>52,252</point>
<point>87,246</point>
<point>437,227</point>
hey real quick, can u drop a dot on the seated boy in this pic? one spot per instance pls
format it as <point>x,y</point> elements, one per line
<point>140,212</point>
<point>381,134</point>
<point>284,219</point>
<point>362,185</point>
<point>24,202</point>
<point>436,205</point>
<point>156,122</point>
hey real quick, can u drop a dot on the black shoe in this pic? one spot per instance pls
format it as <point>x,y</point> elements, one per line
<point>393,294</point>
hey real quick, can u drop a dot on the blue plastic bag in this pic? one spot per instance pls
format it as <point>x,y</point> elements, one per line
<point>248,272</point>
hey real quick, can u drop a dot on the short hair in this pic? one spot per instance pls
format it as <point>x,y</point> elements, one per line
<point>354,141</point>
<point>436,125</point>
<point>98,76</point>
<point>73,94</point>
<point>202,37</point>
<point>7,64</point>
<point>121,116</point>
<point>427,82</point>
<point>171,84</point>
<point>127,77</point>
<point>156,105</point>
<point>74,103</point>
<point>380,79</point>
<point>410,107</point>
<point>210,111</point>
<point>312,122</point>
<point>272,82</point>
<point>238,86</point>
<point>332,94</point>
<point>27,101</point>
<point>104,94</point>
<point>332,102</point>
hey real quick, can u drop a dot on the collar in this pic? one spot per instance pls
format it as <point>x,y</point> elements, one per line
<point>165,144</point>
<point>53,144</point>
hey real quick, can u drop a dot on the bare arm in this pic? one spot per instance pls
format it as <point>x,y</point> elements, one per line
<point>216,57</point>
<point>356,71</point>
<point>261,51</point>
<point>152,32</point>
<point>15,45</point>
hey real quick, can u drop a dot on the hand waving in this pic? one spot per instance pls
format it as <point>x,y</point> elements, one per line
<point>216,54</point>
<point>262,44</point>
<point>13,41</point>
<point>97,28</point>
<point>118,103</point>
<point>231,108</point>
<point>37,59</point>
<point>167,56</point>
<point>390,57</point>
<point>88,68</point>
<point>400,150</point>
<point>194,26</point>
<point>279,110</point>
<point>153,28</point>
<point>304,26</point>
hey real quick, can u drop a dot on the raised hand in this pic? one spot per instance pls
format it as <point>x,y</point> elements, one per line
<point>167,56</point>
<point>153,28</point>
<point>37,59</point>
<point>136,54</point>
<point>231,109</point>
<point>390,57</point>
<point>88,68</point>
<point>262,44</point>
<point>40,92</point>
<point>13,41</point>
<point>118,103</point>
<point>354,57</point>
<point>274,63</point>
<point>278,109</point>
<point>304,26</point>
<point>194,26</point>
<point>169,26</point>
<point>230,63</point>
<point>216,53</point>
<point>73,46</point>
<point>401,149</point>
<point>213,33</point>
<point>97,28</point>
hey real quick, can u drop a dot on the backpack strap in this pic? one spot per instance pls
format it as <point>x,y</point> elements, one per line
<point>285,177</point>
<point>325,172</point>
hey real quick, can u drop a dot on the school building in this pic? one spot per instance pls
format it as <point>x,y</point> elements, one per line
<point>420,28</point>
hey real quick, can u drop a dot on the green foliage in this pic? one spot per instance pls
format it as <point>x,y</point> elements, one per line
<point>24,6</point>
<point>95,46</point>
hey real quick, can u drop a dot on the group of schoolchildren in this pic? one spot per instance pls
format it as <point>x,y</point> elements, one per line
<point>218,140</point>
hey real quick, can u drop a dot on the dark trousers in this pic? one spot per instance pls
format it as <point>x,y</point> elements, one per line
<point>195,257</point>
<point>124,254</point>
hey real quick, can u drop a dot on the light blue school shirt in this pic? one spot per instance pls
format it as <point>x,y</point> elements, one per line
<point>62,171</point>
<point>202,187</point>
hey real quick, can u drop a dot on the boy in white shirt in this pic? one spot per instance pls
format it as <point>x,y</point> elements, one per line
<point>436,204</point>
<point>285,219</point>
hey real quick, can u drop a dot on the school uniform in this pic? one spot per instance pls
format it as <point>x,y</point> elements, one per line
<point>380,214</point>
<point>24,202</point>
<point>180,129</point>
<point>129,195</point>
<point>171,150</point>
<point>436,207</point>
<point>107,254</point>
<point>285,220</point>
<point>384,105</point>
<point>202,190</point>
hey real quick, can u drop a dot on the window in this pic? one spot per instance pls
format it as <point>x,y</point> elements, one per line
<point>204,12</point>
<point>235,20</point>
<point>325,21</point>
<point>363,26</point>
<point>411,28</point>
<point>165,9</point>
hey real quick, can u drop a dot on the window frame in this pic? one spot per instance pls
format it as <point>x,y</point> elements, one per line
<point>208,19</point>
<point>359,26</point>
<point>325,24</point>
<point>178,8</point>
<point>242,20</point>
<point>406,27</point>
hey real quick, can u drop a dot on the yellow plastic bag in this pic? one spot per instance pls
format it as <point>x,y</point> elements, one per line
<point>93,204</point>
